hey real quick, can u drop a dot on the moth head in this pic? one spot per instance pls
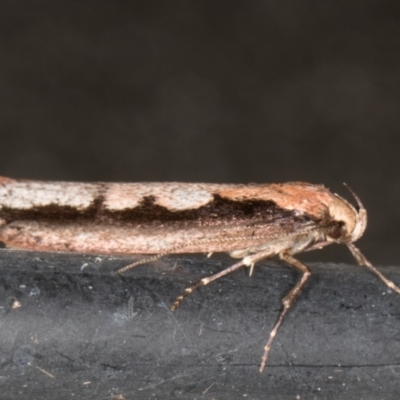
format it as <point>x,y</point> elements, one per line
<point>355,221</point>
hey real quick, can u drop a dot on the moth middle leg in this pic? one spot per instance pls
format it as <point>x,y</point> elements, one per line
<point>205,281</point>
<point>287,301</point>
<point>247,261</point>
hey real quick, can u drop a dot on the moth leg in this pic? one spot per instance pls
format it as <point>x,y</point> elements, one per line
<point>251,269</point>
<point>362,261</point>
<point>287,301</point>
<point>205,281</point>
<point>251,260</point>
<point>140,262</point>
<point>247,261</point>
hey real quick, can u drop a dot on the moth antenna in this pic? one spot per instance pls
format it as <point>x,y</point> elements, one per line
<point>359,203</point>
<point>361,217</point>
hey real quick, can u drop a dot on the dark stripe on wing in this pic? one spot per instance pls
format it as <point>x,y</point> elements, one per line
<point>218,211</point>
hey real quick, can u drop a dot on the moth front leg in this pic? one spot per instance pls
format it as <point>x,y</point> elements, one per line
<point>361,260</point>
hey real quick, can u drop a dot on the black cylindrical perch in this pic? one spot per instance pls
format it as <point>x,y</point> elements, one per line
<point>71,328</point>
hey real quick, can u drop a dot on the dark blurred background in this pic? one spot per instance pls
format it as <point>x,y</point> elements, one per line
<point>241,91</point>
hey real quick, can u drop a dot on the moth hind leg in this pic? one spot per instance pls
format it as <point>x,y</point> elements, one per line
<point>144,260</point>
<point>287,301</point>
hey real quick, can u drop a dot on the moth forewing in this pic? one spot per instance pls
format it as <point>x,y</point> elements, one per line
<point>251,222</point>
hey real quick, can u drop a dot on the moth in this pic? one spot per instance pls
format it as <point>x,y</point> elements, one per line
<point>251,222</point>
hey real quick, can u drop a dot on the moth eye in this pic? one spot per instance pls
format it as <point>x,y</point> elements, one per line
<point>337,229</point>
